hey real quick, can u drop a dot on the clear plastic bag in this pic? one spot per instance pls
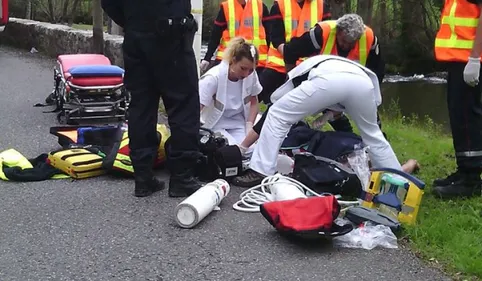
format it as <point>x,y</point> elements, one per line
<point>358,161</point>
<point>368,236</point>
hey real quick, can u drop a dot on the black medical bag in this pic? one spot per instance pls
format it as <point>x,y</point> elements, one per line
<point>219,159</point>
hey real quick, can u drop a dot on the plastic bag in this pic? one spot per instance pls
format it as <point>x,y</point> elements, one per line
<point>358,161</point>
<point>368,236</point>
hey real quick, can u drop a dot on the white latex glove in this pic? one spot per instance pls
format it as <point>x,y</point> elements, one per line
<point>472,71</point>
<point>249,126</point>
<point>203,66</point>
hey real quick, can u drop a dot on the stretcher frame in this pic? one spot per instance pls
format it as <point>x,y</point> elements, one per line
<point>76,102</point>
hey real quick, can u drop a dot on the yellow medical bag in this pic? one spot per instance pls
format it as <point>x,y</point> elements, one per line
<point>394,193</point>
<point>78,163</point>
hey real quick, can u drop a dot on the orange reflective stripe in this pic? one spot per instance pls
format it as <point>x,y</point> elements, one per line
<point>296,22</point>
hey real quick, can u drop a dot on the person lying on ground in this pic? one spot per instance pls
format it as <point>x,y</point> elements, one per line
<point>228,92</point>
<point>319,83</point>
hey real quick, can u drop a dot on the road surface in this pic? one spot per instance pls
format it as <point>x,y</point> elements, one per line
<point>95,229</point>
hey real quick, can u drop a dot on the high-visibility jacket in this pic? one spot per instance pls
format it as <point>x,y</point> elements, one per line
<point>246,23</point>
<point>296,22</point>
<point>122,162</point>
<point>358,53</point>
<point>456,35</point>
<point>11,158</point>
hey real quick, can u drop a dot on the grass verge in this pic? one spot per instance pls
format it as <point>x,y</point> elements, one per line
<point>448,233</point>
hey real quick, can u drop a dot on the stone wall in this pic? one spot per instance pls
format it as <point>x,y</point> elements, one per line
<point>56,39</point>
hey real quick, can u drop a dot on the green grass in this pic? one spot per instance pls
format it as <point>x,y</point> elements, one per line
<point>448,233</point>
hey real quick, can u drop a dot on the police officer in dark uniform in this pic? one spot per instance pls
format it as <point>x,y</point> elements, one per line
<point>159,61</point>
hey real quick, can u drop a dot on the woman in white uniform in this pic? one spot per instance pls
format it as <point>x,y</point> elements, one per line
<point>321,82</point>
<point>228,92</point>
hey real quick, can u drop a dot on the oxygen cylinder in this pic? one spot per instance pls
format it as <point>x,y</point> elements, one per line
<point>284,190</point>
<point>201,203</point>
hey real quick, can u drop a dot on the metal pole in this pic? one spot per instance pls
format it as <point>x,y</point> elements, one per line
<point>197,12</point>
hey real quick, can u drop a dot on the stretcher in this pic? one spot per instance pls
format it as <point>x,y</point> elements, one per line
<point>88,86</point>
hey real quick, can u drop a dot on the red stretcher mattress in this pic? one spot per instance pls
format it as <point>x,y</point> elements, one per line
<point>67,62</point>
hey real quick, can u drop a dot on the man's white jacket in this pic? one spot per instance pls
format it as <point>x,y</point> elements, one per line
<point>315,61</point>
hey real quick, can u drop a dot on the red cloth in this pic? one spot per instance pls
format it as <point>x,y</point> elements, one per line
<point>313,214</point>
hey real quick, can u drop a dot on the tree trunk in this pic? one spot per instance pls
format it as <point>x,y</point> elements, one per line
<point>75,7</point>
<point>65,11</point>
<point>28,14</point>
<point>365,10</point>
<point>98,27</point>
<point>383,18</point>
<point>51,11</point>
<point>338,8</point>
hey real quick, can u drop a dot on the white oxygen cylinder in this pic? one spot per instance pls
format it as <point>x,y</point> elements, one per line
<point>201,203</point>
<point>285,190</point>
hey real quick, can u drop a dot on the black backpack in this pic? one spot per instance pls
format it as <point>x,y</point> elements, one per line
<point>218,160</point>
<point>322,166</point>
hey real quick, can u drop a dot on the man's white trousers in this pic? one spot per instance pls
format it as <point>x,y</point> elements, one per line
<point>352,91</point>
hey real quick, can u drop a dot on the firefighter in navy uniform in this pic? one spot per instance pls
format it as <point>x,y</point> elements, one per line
<point>458,44</point>
<point>159,62</point>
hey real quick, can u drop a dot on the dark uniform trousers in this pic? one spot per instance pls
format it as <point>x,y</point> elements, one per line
<point>465,113</point>
<point>162,65</point>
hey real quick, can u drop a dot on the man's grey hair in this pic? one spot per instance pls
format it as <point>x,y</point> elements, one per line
<point>352,26</point>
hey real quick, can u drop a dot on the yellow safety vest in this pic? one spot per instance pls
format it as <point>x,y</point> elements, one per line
<point>455,38</point>
<point>122,161</point>
<point>13,158</point>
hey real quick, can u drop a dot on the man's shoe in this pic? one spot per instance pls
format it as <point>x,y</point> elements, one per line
<point>249,179</point>
<point>183,186</point>
<point>458,185</point>
<point>146,188</point>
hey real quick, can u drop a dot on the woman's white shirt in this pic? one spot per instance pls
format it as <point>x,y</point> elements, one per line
<point>233,116</point>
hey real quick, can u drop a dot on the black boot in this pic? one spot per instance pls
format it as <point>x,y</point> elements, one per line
<point>145,182</point>
<point>148,187</point>
<point>183,181</point>
<point>458,184</point>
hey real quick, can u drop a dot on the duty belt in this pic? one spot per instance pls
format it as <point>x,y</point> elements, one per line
<point>176,26</point>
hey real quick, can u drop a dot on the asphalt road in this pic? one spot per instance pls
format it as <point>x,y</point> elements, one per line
<point>95,229</point>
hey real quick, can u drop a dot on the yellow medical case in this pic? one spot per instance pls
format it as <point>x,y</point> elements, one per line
<point>78,163</point>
